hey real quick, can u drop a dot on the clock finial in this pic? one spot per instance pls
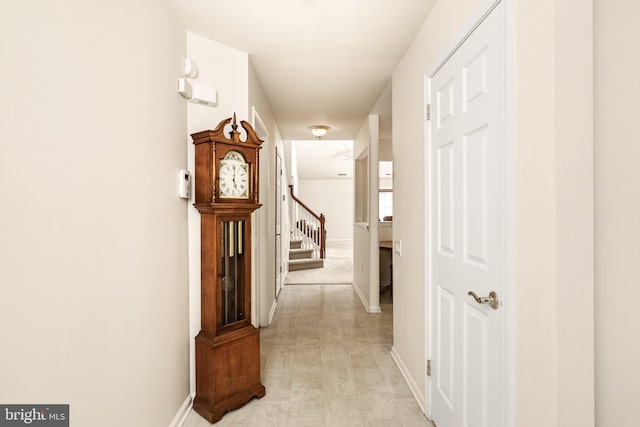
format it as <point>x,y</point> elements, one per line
<point>234,134</point>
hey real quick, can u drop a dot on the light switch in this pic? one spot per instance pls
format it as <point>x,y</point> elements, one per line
<point>397,247</point>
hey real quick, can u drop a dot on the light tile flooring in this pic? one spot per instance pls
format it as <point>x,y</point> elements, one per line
<point>326,362</point>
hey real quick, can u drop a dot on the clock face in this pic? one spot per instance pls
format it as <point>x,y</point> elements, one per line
<point>234,177</point>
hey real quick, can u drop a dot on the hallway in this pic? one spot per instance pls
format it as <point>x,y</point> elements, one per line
<point>326,362</point>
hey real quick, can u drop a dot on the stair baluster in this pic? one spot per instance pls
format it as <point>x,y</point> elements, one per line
<point>308,227</point>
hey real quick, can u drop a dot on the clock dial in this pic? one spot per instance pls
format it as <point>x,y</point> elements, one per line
<point>234,177</point>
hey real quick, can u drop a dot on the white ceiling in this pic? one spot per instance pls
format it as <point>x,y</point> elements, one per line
<point>319,61</point>
<point>322,159</point>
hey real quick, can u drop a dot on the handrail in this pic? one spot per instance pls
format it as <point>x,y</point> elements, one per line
<point>301,203</point>
<point>318,239</point>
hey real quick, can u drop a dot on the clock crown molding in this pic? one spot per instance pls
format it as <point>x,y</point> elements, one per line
<point>218,135</point>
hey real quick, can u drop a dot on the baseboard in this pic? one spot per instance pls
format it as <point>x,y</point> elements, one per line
<point>272,311</point>
<point>183,412</point>
<point>376,309</point>
<point>413,386</point>
<point>365,303</point>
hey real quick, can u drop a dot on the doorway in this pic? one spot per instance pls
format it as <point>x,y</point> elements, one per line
<point>467,228</point>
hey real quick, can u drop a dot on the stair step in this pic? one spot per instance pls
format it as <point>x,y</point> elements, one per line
<point>300,253</point>
<point>305,264</point>
<point>295,244</point>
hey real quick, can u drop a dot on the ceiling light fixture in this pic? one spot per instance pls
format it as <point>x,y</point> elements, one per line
<point>319,130</point>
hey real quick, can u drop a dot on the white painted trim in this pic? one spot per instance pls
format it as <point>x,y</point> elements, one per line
<point>428,303</point>
<point>362,225</point>
<point>511,223</point>
<point>263,133</point>
<point>273,310</point>
<point>510,388</point>
<point>413,385</point>
<point>365,304</point>
<point>183,412</point>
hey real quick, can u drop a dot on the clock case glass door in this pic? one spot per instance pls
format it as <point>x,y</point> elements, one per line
<point>232,279</point>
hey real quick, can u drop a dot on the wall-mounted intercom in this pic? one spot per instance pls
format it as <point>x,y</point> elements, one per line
<point>184,184</point>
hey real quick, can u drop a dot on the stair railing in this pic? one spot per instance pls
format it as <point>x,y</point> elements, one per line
<point>308,226</point>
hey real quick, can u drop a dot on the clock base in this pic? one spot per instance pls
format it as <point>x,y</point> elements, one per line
<point>227,372</point>
<point>213,414</point>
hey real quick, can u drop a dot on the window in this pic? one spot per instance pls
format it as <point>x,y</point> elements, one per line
<point>385,191</point>
<point>385,205</point>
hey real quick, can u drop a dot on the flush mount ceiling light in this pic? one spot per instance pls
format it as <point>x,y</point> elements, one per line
<point>319,130</point>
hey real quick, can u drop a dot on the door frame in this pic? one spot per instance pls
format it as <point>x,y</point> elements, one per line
<point>279,201</point>
<point>510,199</point>
<point>258,285</point>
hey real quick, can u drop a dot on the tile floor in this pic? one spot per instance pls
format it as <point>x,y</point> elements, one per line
<point>326,362</point>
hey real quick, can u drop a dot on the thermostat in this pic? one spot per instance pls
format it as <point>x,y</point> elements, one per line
<point>184,184</point>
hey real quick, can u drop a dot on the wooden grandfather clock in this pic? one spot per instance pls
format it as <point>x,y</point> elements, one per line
<point>228,345</point>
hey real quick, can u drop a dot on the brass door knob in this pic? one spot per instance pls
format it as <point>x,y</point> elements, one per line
<point>492,299</point>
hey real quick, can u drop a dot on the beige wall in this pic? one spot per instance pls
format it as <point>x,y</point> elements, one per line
<point>536,332</point>
<point>575,223</point>
<point>617,212</point>
<point>93,277</point>
<point>554,213</point>
<point>439,31</point>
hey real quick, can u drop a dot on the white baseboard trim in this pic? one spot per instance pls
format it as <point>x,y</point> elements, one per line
<point>272,311</point>
<point>376,309</point>
<point>364,302</point>
<point>413,386</point>
<point>183,412</point>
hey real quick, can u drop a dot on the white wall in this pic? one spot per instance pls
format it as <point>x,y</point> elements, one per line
<point>553,192</point>
<point>227,70</point>
<point>333,198</point>
<point>93,277</point>
<point>617,196</point>
<point>365,235</point>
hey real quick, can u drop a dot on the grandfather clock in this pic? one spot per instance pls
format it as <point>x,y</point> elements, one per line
<point>228,345</point>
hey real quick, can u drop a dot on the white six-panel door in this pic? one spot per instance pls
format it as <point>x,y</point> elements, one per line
<point>467,231</point>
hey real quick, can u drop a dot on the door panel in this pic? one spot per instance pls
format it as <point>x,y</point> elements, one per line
<point>474,198</point>
<point>446,199</point>
<point>474,361</point>
<point>467,205</point>
<point>446,331</point>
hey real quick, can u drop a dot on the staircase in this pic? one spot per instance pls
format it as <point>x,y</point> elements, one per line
<point>308,237</point>
<point>301,258</point>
